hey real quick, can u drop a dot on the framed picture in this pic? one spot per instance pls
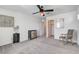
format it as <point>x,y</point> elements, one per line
<point>6,21</point>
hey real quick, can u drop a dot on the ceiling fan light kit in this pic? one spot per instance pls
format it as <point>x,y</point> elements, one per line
<point>42,13</point>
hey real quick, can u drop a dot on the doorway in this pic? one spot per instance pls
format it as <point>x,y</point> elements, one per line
<point>48,28</point>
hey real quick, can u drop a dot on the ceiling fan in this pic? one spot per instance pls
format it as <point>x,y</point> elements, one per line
<point>42,11</point>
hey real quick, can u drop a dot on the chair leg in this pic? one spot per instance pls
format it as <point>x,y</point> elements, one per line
<point>63,41</point>
<point>66,42</point>
<point>71,42</point>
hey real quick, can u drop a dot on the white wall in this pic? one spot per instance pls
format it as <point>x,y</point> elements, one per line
<point>25,22</point>
<point>70,22</point>
<point>78,25</point>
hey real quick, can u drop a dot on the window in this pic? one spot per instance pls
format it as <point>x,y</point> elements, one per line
<point>60,23</point>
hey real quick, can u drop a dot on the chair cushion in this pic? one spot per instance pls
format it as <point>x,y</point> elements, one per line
<point>63,37</point>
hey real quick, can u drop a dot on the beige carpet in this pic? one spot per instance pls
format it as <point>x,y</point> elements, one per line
<point>40,45</point>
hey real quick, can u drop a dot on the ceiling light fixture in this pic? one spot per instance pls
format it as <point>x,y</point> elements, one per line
<point>42,13</point>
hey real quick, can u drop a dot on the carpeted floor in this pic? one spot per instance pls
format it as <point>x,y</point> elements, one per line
<point>40,45</point>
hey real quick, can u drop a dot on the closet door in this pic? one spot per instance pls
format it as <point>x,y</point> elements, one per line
<point>49,28</point>
<point>44,28</point>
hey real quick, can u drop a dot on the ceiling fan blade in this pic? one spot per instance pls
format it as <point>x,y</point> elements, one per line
<point>50,10</point>
<point>39,6</point>
<point>35,12</point>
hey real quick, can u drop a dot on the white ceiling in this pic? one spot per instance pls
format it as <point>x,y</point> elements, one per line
<point>29,9</point>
